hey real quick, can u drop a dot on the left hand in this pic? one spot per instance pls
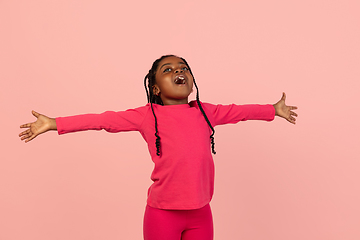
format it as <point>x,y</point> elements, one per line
<point>284,111</point>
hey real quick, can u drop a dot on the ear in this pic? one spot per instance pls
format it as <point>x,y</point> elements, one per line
<point>156,90</point>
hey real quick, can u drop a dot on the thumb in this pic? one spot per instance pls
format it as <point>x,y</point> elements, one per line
<point>283,96</point>
<point>35,114</point>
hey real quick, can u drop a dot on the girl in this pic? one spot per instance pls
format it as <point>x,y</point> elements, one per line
<point>179,135</point>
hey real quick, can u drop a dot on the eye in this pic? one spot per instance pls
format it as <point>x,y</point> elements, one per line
<point>167,70</point>
<point>185,68</point>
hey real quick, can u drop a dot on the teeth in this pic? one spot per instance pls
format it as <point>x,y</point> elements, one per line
<point>180,80</point>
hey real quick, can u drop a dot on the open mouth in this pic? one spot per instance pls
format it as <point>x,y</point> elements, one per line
<point>180,79</point>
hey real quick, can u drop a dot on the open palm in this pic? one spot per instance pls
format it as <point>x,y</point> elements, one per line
<point>284,111</point>
<point>41,125</point>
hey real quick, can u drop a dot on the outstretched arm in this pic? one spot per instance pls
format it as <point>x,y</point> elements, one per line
<point>41,125</point>
<point>284,111</point>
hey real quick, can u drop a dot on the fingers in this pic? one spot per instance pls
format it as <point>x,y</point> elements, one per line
<point>27,135</point>
<point>35,114</point>
<point>286,111</point>
<point>24,132</point>
<point>293,114</point>
<point>291,119</point>
<point>27,125</point>
<point>31,138</point>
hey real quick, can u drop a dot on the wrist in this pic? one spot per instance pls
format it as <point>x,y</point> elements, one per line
<point>276,113</point>
<point>53,124</point>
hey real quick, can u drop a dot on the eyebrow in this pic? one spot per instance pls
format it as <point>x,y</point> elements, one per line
<point>170,64</point>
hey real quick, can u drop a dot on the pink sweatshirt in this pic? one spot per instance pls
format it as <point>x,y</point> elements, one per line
<point>183,175</point>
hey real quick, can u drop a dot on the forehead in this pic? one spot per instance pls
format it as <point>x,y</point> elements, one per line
<point>170,61</point>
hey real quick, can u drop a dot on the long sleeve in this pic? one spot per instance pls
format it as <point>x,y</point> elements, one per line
<point>223,114</point>
<point>129,120</point>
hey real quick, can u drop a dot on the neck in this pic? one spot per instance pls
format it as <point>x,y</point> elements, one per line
<point>175,102</point>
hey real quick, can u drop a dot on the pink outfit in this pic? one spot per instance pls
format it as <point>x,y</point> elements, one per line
<point>184,172</point>
<point>196,224</point>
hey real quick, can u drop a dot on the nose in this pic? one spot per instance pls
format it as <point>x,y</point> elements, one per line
<point>179,70</point>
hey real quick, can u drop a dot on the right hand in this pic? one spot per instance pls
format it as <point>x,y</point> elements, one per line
<point>41,125</point>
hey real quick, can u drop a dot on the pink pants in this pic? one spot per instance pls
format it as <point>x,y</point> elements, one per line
<point>162,224</point>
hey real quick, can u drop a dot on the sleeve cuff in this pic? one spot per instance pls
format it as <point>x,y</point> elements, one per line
<point>59,125</point>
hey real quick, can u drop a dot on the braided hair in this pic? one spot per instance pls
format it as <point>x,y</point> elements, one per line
<point>153,98</point>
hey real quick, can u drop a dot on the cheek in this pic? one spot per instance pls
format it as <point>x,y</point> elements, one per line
<point>162,79</point>
<point>191,82</point>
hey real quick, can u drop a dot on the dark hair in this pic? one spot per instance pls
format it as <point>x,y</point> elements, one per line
<point>153,98</point>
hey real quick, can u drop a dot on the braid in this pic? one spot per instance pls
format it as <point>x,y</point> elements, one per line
<point>202,110</point>
<point>206,118</point>
<point>157,141</point>
<point>147,92</point>
<point>153,98</point>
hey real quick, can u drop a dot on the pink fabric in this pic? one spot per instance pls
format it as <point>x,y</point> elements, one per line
<point>183,175</point>
<point>160,224</point>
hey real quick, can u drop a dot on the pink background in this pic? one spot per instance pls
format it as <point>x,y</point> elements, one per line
<point>273,180</point>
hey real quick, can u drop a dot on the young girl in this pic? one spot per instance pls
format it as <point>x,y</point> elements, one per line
<point>179,135</point>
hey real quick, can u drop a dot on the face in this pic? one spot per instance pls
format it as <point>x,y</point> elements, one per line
<point>174,81</point>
